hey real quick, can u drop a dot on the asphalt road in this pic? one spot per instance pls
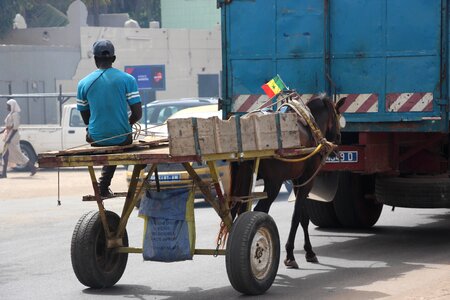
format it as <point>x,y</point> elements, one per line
<point>405,256</point>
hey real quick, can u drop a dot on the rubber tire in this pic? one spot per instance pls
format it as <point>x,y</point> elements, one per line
<point>430,192</point>
<point>28,151</point>
<point>322,214</point>
<point>239,253</point>
<point>352,208</point>
<point>88,250</point>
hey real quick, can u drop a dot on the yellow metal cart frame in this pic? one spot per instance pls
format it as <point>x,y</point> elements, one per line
<point>140,157</point>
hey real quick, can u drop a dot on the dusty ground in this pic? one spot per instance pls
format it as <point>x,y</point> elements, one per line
<point>431,281</point>
<point>73,182</point>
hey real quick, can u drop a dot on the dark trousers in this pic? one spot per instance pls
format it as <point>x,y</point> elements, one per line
<point>108,171</point>
<point>106,177</point>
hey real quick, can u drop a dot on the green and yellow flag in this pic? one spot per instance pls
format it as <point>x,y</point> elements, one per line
<point>274,86</point>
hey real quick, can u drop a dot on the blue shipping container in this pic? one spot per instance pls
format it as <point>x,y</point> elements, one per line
<point>389,57</point>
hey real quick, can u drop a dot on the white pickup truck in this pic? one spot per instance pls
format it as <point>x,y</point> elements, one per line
<point>35,139</point>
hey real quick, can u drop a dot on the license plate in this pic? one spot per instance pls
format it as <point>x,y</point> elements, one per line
<point>171,177</point>
<point>346,157</point>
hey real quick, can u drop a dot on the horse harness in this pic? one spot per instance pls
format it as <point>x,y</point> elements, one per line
<point>323,146</point>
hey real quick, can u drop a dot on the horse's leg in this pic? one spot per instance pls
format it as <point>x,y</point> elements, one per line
<point>272,189</point>
<point>300,216</point>
<point>304,221</point>
<point>290,259</point>
<point>240,184</point>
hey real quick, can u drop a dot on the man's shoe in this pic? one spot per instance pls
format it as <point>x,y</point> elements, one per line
<point>106,193</point>
<point>33,171</point>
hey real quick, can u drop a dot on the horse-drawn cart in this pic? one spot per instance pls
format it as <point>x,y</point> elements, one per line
<point>100,244</point>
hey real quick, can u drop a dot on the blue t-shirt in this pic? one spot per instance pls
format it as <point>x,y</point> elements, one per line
<point>107,94</point>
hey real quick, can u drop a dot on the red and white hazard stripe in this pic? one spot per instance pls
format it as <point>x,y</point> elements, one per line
<point>355,103</point>
<point>406,102</point>
<point>359,103</point>
<point>245,103</point>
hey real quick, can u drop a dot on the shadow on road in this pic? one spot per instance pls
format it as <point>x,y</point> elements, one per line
<point>389,251</point>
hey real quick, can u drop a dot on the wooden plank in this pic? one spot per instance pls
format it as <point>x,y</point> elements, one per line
<point>206,137</point>
<point>225,136</point>
<point>154,140</point>
<point>92,197</point>
<point>258,132</point>
<point>96,150</point>
<point>148,142</point>
<point>290,131</point>
<point>181,136</point>
<point>132,157</point>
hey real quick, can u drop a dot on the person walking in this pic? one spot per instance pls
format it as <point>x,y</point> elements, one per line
<point>11,137</point>
<point>103,98</point>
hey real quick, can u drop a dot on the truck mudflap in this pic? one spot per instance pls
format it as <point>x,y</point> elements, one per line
<point>343,199</point>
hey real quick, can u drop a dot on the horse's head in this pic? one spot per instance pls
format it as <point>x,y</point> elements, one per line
<point>326,114</point>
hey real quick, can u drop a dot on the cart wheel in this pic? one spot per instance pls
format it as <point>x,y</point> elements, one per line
<point>94,264</point>
<point>253,253</point>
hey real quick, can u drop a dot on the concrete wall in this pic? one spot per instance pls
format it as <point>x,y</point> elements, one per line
<point>37,60</point>
<point>185,54</point>
<point>35,69</point>
<point>49,36</point>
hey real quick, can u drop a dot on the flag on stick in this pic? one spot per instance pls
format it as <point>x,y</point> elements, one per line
<point>274,86</point>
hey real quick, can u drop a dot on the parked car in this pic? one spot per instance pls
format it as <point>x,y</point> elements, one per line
<point>157,112</point>
<point>174,175</point>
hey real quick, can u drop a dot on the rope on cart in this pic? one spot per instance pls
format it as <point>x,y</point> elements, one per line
<point>269,102</point>
<point>136,133</point>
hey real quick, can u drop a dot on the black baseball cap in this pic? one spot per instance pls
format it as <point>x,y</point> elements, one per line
<point>103,48</point>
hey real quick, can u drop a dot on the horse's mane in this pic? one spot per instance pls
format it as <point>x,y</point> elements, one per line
<point>318,102</point>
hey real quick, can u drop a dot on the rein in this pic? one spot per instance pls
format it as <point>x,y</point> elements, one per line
<point>328,147</point>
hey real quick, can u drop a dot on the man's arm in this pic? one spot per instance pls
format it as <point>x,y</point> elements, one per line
<point>136,112</point>
<point>85,114</point>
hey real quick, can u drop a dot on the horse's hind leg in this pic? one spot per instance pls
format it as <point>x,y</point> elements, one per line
<point>290,259</point>
<point>272,189</point>
<point>300,216</point>
<point>304,221</point>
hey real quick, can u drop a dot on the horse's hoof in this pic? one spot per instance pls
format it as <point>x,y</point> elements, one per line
<point>290,263</point>
<point>312,259</point>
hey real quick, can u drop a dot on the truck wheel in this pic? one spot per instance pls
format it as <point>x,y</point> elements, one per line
<point>322,214</point>
<point>430,192</point>
<point>94,264</point>
<point>253,253</point>
<point>28,151</point>
<point>355,203</point>
<point>319,203</point>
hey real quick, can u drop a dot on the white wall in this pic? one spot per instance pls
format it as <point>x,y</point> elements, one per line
<point>185,54</point>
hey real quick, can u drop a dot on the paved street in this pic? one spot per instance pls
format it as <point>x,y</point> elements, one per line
<point>405,256</point>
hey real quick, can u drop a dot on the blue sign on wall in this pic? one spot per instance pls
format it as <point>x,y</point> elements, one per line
<point>148,77</point>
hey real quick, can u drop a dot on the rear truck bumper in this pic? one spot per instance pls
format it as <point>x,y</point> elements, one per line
<point>393,153</point>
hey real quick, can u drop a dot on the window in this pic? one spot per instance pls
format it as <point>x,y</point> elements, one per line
<point>75,119</point>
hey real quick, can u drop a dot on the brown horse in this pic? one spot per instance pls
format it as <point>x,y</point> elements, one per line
<point>274,172</point>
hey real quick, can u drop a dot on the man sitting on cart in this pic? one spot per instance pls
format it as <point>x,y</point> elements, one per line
<point>103,98</point>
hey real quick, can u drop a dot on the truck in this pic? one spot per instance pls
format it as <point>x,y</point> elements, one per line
<point>389,58</point>
<point>34,139</point>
